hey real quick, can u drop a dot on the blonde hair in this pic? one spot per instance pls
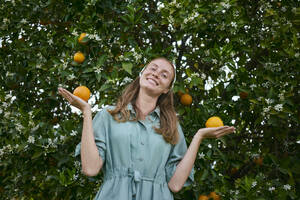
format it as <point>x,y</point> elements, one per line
<point>168,119</point>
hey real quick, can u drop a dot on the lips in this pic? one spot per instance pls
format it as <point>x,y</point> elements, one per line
<point>152,80</point>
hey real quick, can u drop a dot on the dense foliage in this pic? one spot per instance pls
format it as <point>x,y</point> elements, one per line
<point>238,59</point>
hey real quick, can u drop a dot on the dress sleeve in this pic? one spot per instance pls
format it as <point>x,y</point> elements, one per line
<point>177,153</point>
<point>99,129</point>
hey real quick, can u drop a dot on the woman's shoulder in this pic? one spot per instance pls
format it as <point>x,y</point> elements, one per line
<point>105,111</point>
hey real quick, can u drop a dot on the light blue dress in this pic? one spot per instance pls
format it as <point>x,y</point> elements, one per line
<point>138,163</point>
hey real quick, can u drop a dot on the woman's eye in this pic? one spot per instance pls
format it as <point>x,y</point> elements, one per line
<point>164,76</point>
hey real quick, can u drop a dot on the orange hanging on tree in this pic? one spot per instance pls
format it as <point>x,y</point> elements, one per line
<point>81,37</point>
<point>79,57</point>
<point>186,99</point>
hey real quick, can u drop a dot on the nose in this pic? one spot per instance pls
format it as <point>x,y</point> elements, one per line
<point>155,74</point>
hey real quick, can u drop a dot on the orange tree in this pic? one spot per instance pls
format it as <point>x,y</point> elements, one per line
<point>237,59</point>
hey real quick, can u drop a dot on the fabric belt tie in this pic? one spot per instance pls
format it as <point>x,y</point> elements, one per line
<point>136,177</point>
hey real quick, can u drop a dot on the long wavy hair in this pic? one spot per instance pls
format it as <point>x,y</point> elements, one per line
<point>168,119</point>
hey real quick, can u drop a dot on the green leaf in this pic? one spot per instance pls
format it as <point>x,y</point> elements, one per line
<point>105,87</point>
<point>36,155</point>
<point>127,67</point>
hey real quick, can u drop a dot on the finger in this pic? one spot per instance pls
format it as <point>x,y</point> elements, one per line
<point>223,134</point>
<point>224,130</point>
<point>66,95</point>
<point>219,128</point>
<point>228,131</point>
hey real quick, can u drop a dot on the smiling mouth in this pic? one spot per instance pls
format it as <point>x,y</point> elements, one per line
<point>152,80</point>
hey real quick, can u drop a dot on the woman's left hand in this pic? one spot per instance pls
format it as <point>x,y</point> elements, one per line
<point>214,132</point>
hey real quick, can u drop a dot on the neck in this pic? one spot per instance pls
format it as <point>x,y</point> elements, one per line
<point>145,103</point>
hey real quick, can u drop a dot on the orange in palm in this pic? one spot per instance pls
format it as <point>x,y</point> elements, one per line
<point>82,92</point>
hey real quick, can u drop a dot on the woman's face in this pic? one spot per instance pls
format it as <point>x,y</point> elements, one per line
<point>157,76</point>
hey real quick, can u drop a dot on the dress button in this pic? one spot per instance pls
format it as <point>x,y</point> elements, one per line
<point>142,143</point>
<point>141,159</point>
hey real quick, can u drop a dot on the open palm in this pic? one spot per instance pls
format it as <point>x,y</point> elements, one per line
<point>73,100</point>
<point>215,132</point>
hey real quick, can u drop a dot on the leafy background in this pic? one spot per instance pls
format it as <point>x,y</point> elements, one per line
<point>232,46</point>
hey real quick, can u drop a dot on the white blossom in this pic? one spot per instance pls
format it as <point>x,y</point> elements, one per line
<point>23,21</point>
<point>98,70</point>
<point>91,36</point>
<point>62,137</point>
<point>137,56</point>
<point>5,20</point>
<point>225,5</point>
<point>8,96</point>
<point>269,101</point>
<point>252,86</point>
<point>75,33</point>
<point>283,9</point>
<point>31,139</point>
<point>1,152</point>
<point>201,155</point>
<point>287,187</point>
<point>125,81</point>
<point>50,42</point>
<point>171,19</point>
<point>73,133</point>
<point>233,24</point>
<point>281,96</point>
<point>71,77</point>
<point>19,127</point>
<point>278,107</point>
<point>77,164</point>
<point>75,176</point>
<point>4,104</point>
<point>195,74</point>
<point>271,189</point>
<point>254,183</point>
<point>6,114</point>
<point>267,109</point>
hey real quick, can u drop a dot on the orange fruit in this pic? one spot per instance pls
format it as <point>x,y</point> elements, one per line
<point>214,122</point>
<point>79,57</point>
<point>82,92</point>
<point>186,99</point>
<point>180,93</point>
<point>82,35</point>
<point>243,95</point>
<point>233,170</point>
<point>259,161</point>
<point>203,197</point>
<point>214,196</point>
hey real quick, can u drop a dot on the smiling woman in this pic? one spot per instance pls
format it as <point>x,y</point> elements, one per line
<point>139,142</point>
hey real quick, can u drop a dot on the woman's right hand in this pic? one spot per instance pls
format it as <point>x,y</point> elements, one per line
<point>74,100</point>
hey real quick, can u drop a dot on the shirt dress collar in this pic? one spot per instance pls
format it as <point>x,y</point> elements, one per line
<point>156,110</point>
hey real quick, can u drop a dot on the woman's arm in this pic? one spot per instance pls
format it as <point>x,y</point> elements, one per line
<point>90,159</point>
<point>185,166</point>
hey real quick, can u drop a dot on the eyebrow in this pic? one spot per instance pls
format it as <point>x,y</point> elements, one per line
<point>158,67</point>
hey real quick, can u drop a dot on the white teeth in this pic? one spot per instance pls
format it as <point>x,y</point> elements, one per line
<point>152,81</point>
